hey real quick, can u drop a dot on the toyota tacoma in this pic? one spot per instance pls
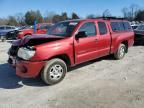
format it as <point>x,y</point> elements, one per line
<point>67,44</point>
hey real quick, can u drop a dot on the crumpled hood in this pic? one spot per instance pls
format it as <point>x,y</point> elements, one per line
<point>36,40</point>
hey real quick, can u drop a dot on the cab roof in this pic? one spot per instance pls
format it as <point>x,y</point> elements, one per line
<point>97,19</point>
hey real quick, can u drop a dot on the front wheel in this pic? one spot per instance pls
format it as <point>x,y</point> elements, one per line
<point>120,52</point>
<point>54,71</point>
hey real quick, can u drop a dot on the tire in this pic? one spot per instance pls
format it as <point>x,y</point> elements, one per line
<point>120,52</point>
<point>54,71</point>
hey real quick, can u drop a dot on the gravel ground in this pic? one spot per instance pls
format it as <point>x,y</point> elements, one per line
<point>102,83</point>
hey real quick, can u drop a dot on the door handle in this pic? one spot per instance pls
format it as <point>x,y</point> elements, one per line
<point>96,40</point>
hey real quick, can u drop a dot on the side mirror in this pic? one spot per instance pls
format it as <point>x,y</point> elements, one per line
<point>81,34</point>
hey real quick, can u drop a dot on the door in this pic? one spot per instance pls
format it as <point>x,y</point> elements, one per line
<point>85,47</point>
<point>104,42</point>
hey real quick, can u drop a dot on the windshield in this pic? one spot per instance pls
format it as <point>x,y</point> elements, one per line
<point>62,29</point>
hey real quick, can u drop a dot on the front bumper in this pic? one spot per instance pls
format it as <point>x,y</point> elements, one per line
<point>12,61</point>
<point>24,69</point>
<point>28,69</point>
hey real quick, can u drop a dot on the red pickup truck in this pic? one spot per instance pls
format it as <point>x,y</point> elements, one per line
<point>42,28</point>
<point>67,44</point>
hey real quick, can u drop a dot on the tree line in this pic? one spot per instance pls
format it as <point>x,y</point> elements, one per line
<point>29,17</point>
<point>133,12</point>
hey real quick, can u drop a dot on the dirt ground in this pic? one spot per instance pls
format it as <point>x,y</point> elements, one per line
<point>102,83</point>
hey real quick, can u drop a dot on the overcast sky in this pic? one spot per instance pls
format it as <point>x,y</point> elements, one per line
<point>81,7</point>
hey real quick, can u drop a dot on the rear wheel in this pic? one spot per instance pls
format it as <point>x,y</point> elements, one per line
<point>120,52</point>
<point>54,71</point>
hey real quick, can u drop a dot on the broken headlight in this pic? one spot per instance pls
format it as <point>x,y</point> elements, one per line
<point>26,53</point>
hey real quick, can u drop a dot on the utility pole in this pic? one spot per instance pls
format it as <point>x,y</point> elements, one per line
<point>35,26</point>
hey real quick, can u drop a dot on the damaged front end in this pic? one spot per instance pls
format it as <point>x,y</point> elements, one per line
<point>24,48</point>
<point>12,55</point>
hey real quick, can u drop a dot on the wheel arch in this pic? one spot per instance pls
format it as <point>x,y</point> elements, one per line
<point>63,57</point>
<point>27,34</point>
<point>125,42</point>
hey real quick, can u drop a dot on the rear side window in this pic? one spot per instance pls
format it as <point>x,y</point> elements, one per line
<point>120,26</point>
<point>89,28</point>
<point>12,27</point>
<point>115,26</point>
<point>127,26</point>
<point>102,28</point>
<point>8,27</point>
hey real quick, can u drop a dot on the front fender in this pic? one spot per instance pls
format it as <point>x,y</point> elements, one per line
<point>47,51</point>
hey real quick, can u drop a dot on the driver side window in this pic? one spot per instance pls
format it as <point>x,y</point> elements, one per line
<point>89,28</point>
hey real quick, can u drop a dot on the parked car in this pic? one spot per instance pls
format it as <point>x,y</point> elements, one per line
<point>29,31</point>
<point>134,26</point>
<point>139,34</point>
<point>16,32</point>
<point>67,44</point>
<point>5,30</point>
